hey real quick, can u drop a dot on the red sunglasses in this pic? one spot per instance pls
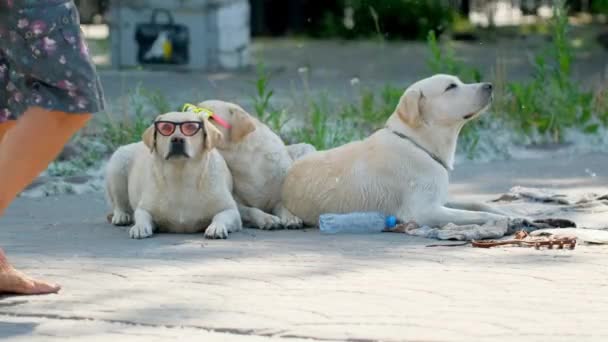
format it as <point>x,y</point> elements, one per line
<point>188,128</point>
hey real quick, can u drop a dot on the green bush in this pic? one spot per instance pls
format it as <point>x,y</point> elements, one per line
<point>392,19</point>
<point>600,6</point>
<point>543,108</point>
<point>552,101</point>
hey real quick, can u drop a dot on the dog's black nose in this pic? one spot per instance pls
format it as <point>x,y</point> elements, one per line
<point>177,140</point>
<point>487,86</point>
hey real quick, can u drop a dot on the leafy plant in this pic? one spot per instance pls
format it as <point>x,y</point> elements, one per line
<point>316,134</point>
<point>372,109</point>
<point>324,131</point>
<point>141,107</point>
<point>271,116</point>
<point>261,100</point>
<point>552,101</point>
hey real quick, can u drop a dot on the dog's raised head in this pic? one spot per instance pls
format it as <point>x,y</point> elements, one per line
<point>181,136</point>
<point>443,100</point>
<point>237,123</point>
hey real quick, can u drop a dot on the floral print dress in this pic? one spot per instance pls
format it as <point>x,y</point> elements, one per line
<point>44,59</point>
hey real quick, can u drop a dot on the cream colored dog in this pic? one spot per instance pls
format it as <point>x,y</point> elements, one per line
<point>174,181</point>
<point>402,169</point>
<point>258,160</point>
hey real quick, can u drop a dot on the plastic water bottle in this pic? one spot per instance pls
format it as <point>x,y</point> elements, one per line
<point>356,223</point>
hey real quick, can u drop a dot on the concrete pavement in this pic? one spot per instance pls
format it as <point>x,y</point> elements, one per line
<point>300,285</point>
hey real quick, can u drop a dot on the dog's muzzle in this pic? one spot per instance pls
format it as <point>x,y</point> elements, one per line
<point>487,93</point>
<point>177,148</point>
<point>488,90</point>
<point>487,87</point>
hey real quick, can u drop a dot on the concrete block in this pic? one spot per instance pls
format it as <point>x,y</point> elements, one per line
<point>216,27</point>
<point>234,15</point>
<point>229,40</point>
<point>234,60</point>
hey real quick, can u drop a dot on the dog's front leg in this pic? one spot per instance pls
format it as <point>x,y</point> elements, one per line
<point>258,219</point>
<point>144,225</point>
<point>443,215</point>
<point>227,221</point>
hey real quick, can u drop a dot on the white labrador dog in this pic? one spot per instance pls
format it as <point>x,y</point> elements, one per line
<point>258,160</point>
<point>402,169</point>
<point>174,181</point>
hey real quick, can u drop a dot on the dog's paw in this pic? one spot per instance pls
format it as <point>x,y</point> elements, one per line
<point>266,221</point>
<point>141,231</point>
<point>290,221</point>
<point>121,218</point>
<point>216,231</point>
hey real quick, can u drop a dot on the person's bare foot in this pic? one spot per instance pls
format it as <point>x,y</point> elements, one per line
<point>13,281</point>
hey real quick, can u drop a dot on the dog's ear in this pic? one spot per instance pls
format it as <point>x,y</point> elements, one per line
<point>242,124</point>
<point>213,136</point>
<point>148,138</point>
<point>410,107</point>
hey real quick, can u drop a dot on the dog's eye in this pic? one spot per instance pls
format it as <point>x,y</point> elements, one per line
<point>165,128</point>
<point>190,128</point>
<point>451,86</point>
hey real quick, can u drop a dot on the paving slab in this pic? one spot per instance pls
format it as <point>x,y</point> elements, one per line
<point>301,285</point>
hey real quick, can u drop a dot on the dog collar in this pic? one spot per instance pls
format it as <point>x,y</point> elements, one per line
<point>432,155</point>
<point>206,113</point>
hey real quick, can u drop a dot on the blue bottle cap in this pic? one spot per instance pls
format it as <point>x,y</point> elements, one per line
<point>390,222</point>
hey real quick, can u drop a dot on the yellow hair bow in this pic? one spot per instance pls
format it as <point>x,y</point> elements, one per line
<point>205,113</point>
<point>189,107</point>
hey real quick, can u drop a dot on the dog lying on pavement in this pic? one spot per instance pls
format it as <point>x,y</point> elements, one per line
<point>402,169</point>
<point>174,181</point>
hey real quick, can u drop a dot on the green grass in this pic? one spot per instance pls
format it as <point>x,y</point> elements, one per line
<point>552,102</point>
<point>540,110</point>
<point>274,118</point>
<point>128,124</point>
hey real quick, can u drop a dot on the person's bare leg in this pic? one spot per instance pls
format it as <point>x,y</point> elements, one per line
<point>25,151</point>
<point>5,126</point>
<point>29,147</point>
<point>13,281</point>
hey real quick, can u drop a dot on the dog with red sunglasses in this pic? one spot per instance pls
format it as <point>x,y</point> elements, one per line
<point>173,181</point>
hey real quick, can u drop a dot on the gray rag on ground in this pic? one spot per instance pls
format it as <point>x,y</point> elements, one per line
<point>560,203</point>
